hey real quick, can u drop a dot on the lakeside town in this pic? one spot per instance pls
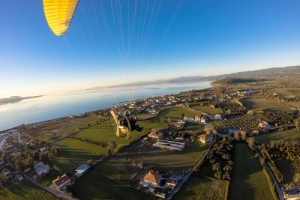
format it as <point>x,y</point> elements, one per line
<point>186,135</point>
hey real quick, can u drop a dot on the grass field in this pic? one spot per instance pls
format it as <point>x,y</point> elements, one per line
<point>94,185</point>
<point>248,180</point>
<point>193,150</point>
<point>73,152</point>
<point>209,110</point>
<point>288,135</point>
<point>191,126</point>
<point>203,189</point>
<point>262,103</point>
<point>295,104</point>
<point>175,113</point>
<point>23,190</point>
<point>105,132</point>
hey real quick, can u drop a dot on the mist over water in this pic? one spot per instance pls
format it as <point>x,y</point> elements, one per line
<point>60,105</point>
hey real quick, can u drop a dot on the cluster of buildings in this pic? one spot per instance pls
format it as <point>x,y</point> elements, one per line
<point>61,182</point>
<point>154,180</point>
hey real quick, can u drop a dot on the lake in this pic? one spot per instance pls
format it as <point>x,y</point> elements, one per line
<point>60,105</point>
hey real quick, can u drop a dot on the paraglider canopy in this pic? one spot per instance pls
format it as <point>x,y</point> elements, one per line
<point>59,14</point>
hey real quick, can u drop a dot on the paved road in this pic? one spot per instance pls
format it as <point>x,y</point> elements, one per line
<point>54,192</point>
<point>276,183</point>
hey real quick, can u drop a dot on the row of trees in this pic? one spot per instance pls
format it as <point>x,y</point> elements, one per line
<point>219,159</point>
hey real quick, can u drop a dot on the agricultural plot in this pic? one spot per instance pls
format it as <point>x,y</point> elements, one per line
<point>149,156</point>
<point>95,185</point>
<point>279,118</point>
<point>73,152</point>
<point>106,131</point>
<point>50,130</point>
<point>237,122</point>
<point>261,103</point>
<point>209,110</point>
<point>294,104</point>
<point>289,135</point>
<point>203,188</point>
<point>123,167</point>
<point>248,179</point>
<point>23,190</point>
<point>191,126</point>
<point>233,107</point>
<point>175,113</point>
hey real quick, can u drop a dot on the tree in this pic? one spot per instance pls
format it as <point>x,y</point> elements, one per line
<point>216,166</point>
<point>218,174</point>
<point>19,164</point>
<point>236,136</point>
<point>243,135</point>
<point>181,115</point>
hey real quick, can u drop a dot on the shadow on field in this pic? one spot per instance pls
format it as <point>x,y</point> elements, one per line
<point>247,175</point>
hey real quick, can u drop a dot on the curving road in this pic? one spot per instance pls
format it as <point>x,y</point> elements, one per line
<point>54,192</point>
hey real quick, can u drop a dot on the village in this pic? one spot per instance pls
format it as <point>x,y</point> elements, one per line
<point>25,156</point>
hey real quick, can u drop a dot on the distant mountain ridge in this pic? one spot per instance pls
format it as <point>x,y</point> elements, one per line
<point>14,99</point>
<point>274,72</point>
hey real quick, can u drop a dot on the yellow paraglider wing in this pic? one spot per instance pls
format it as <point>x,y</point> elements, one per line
<point>59,14</point>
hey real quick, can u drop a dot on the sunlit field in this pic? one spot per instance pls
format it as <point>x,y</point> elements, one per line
<point>248,180</point>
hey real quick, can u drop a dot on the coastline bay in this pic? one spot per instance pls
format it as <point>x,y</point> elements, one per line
<point>60,105</point>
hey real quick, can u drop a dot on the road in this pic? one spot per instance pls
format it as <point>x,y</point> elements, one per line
<point>54,192</point>
<point>276,183</point>
<point>185,178</point>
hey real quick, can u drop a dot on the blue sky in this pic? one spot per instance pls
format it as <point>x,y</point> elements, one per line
<point>124,41</point>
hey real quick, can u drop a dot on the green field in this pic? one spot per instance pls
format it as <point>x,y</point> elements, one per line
<point>295,104</point>
<point>73,152</point>
<point>23,190</point>
<point>200,188</point>
<point>209,110</point>
<point>191,126</point>
<point>261,103</point>
<point>193,150</point>
<point>288,135</point>
<point>106,131</point>
<point>94,185</point>
<point>175,113</point>
<point>248,180</point>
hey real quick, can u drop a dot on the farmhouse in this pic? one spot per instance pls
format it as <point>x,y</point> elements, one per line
<point>82,169</point>
<point>5,171</point>
<point>61,182</point>
<point>217,117</point>
<point>197,118</point>
<point>41,169</point>
<point>188,119</point>
<point>204,138</point>
<point>152,178</point>
<point>155,135</point>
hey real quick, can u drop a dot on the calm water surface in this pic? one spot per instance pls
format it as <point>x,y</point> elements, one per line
<point>60,105</point>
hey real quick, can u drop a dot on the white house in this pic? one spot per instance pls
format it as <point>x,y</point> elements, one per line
<point>5,171</point>
<point>217,117</point>
<point>18,177</point>
<point>41,169</point>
